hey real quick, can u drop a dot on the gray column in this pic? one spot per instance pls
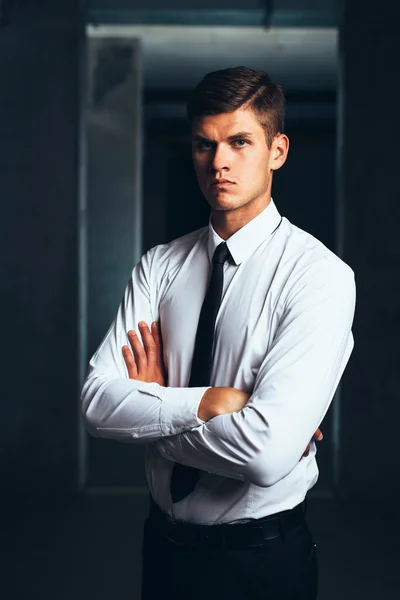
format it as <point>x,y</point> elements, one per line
<point>114,220</point>
<point>369,212</point>
<point>39,113</point>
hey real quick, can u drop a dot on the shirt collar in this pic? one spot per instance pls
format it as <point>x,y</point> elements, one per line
<point>243,243</point>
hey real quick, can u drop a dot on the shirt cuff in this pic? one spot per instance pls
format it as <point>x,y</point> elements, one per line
<point>179,409</point>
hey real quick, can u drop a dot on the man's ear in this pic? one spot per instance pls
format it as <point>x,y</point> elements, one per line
<point>279,151</point>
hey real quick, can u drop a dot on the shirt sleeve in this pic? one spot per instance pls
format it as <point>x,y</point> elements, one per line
<point>127,410</point>
<point>293,389</point>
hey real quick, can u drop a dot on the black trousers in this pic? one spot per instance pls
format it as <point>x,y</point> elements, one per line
<point>284,568</point>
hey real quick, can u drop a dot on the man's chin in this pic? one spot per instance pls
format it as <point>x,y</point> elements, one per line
<point>224,204</point>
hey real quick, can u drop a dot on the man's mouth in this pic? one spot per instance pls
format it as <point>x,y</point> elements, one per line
<point>222,182</point>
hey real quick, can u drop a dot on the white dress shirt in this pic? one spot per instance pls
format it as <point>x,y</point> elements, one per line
<point>282,334</point>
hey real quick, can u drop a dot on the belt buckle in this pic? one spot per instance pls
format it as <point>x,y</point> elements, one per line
<point>244,538</point>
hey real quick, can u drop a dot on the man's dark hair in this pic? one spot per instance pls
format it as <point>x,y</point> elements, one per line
<point>227,90</point>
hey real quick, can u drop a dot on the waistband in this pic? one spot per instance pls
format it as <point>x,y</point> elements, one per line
<point>236,535</point>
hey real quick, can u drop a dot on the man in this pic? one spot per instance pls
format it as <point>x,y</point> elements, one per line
<point>255,319</point>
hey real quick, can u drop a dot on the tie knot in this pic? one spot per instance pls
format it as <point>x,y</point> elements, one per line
<point>221,254</point>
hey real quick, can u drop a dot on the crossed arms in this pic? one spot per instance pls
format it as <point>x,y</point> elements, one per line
<point>144,362</point>
<point>260,440</point>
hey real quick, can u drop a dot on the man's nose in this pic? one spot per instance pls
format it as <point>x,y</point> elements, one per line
<point>220,159</point>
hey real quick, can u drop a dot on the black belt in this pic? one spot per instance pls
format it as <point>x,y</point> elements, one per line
<point>237,535</point>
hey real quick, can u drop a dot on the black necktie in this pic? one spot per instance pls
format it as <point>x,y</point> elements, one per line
<point>184,479</point>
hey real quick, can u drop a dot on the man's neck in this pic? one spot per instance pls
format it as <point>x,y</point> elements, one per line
<point>228,222</point>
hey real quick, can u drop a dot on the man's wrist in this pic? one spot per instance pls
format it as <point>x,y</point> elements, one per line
<point>213,403</point>
<point>204,412</point>
<point>221,401</point>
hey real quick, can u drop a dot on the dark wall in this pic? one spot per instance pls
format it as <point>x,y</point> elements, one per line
<point>39,67</point>
<point>369,133</point>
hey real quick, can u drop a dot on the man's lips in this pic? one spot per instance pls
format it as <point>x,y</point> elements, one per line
<point>222,182</point>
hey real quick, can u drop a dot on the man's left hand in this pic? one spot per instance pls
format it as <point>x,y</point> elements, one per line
<point>146,362</point>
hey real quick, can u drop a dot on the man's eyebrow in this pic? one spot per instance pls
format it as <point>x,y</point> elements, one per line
<point>202,138</point>
<point>240,135</point>
<point>236,136</point>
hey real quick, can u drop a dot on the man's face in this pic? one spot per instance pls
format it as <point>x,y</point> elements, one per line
<point>232,147</point>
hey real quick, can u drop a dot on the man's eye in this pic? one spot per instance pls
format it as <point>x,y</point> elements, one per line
<point>203,145</point>
<point>241,143</point>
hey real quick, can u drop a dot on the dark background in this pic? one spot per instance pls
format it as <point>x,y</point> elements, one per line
<point>73,530</point>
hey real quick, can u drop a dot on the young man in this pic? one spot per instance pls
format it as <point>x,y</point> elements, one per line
<point>255,318</point>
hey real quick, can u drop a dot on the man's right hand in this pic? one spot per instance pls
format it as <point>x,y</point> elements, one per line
<point>224,400</point>
<point>220,401</point>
